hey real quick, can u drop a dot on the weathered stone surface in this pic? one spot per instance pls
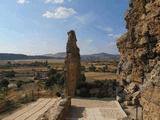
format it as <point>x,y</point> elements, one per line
<point>58,111</point>
<point>150,95</point>
<point>72,64</point>
<point>139,49</point>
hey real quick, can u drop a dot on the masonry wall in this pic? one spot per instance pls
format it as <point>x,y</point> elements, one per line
<point>139,51</point>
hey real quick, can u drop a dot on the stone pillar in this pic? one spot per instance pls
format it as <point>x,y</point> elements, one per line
<point>72,64</point>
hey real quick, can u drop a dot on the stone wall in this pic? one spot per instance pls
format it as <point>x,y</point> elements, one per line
<point>58,111</point>
<point>139,49</point>
<point>151,95</point>
<point>72,64</point>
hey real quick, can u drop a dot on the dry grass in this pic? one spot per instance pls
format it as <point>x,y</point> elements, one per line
<point>100,76</point>
<point>25,69</point>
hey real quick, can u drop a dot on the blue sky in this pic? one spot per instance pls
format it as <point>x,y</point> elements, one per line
<point>40,26</point>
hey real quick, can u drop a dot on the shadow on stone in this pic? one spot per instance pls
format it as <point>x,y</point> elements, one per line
<point>76,112</point>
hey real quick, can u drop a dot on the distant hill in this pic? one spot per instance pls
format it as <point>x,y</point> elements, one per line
<point>61,55</point>
<point>99,57</point>
<point>91,57</point>
<point>11,56</point>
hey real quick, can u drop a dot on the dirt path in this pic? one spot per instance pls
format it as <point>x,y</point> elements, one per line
<point>92,109</point>
<point>32,111</point>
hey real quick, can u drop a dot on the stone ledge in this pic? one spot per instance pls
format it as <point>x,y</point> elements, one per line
<point>58,111</point>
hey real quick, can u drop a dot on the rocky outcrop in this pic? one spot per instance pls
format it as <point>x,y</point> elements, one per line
<point>139,49</point>
<point>151,95</point>
<point>72,64</point>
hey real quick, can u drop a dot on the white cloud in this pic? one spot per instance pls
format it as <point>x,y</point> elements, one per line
<point>85,18</point>
<point>105,29</point>
<point>88,46</point>
<point>111,47</point>
<point>89,41</point>
<point>22,1</point>
<point>110,35</point>
<point>59,13</point>
<point>115,36</point>
<point>108,29</point>
<point>54,1</point>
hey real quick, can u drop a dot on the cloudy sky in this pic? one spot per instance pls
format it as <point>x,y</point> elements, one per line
<point>40,26</point>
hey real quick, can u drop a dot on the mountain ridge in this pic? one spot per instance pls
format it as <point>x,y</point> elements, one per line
<point>61,55</point>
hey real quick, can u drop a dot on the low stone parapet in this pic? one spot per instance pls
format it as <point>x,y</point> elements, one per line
<point>58,111</point>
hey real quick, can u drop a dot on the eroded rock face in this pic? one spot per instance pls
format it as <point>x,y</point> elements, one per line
<point>151,95</point>
<point>140,53</point>
<point>72,64</point>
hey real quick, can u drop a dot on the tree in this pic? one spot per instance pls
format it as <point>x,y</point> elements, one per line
<point>46,63</point>
<point>83,78</point>
<point>4,83</point>
<point>9,74</point>
<point>92,68</point>
<point>51,72</point>
<point>60,80</point>
<point>19,84</point>
<point>83,68</point>
<point>50,81</point>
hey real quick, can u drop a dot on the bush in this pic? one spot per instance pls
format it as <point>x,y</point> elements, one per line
<point>82,85</point>
<point>50,81</point>
<point>82,78</point>
<point>84,92</point>
<point>51,72</point>
<point>9,74</point>
<point>4,83</point>
<point>54,78</point>
<point>98,83</point>
<point>83,68</point>
<point>28,81</point>
<point>92,68</point>
<point>19,83</point>
<point>57,89</point>
<point>9,105</point>
<point>26,99</point>
<point>100,89</point>
<point>61,80</point>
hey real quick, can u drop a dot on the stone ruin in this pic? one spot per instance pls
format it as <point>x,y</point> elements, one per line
<point>139,47</point>
<point>72,64</point>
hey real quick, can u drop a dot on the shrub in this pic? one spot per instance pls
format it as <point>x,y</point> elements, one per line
<point>26,99</point>
<point>84,92</point>
<point>50,82</point>
<point>57,89</point>
<point>92,68</point>
<point>4,83</point>
<point>54,78</point>
<point>9,74</point>
<point>82,78</point>
<point>51,72</point>
<point>83,68</point>
<point>98,83</point>
<point>60,81</point>
<point>9,105</point>
<point>28,81</point>
<point>19,83</point>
